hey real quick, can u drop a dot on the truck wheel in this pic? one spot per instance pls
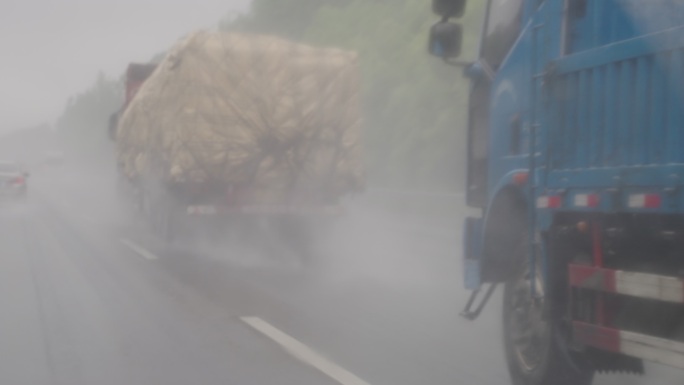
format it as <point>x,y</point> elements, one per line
<point>535,348</point>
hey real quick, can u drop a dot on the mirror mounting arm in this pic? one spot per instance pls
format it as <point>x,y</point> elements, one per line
<point>458,63</point>
<point>479,69</point>
<point>487,70</point>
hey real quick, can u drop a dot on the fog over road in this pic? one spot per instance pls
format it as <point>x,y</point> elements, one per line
<point>89,296</point>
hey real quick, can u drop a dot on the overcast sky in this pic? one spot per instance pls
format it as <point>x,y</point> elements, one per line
<point>51,49</point>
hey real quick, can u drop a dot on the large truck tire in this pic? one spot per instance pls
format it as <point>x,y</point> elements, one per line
<point>536,350</point>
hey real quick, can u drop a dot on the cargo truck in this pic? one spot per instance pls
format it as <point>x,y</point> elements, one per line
<point>576,173</point>
<point>230,130</point>
<point>135,76</point>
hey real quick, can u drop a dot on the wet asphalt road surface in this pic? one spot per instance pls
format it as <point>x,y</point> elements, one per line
<point>89,296</point>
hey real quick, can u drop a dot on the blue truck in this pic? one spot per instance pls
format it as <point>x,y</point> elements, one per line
<point>576,165</point>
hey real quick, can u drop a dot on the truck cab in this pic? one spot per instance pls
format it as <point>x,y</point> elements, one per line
<point>576,163</point>
<point>136,74</point>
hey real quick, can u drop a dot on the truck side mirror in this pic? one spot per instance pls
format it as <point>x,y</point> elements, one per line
<point>448,8</point>
<point>445,40</point>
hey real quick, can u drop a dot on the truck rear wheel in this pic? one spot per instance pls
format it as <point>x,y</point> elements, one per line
<point>536,351</point>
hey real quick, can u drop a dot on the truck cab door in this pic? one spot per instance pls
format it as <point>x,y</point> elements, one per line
<point>478,139</point>
<point>501,29</point>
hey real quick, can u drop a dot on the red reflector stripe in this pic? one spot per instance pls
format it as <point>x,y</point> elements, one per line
<point>652,201</point>
<point>647,201</point>
<point>549,202</point>
<point>597,336</point>
<point>520,178</point>
<point>589,277</point>
<point>634,284</point>
<point>668,352</point>
<point>586,200</point>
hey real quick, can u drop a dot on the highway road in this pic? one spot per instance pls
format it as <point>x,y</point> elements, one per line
<point>89,296</point>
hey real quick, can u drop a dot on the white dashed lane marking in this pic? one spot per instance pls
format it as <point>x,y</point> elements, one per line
<point>141,251</point>
<point>304,353</point>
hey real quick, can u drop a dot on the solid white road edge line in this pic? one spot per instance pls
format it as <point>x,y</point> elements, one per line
<point>304,353</point>
<point>138,249</point>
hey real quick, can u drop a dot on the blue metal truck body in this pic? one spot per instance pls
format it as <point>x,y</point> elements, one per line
<point>576,161</point>
<point>601,89</point>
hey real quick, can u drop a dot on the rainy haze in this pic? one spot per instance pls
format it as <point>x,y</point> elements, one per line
<point>354,192</point>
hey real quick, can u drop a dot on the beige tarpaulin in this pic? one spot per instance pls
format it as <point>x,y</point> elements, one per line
<point>280,117</point>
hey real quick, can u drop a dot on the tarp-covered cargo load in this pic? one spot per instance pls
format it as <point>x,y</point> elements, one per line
<point>247,111</point>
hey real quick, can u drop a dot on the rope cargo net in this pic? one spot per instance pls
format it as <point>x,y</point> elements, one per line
<point>245,110</point>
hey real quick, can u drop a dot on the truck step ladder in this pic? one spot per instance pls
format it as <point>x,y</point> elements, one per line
<point>468,312</point>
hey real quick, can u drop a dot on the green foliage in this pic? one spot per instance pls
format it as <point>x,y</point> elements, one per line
<point>289,18</point>
<point>83,124</point>
<point>415,105</point>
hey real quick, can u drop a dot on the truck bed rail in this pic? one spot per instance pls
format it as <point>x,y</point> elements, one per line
<point>619,105</point>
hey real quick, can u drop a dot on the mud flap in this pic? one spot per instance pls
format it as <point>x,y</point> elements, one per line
<point>472,253</point>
